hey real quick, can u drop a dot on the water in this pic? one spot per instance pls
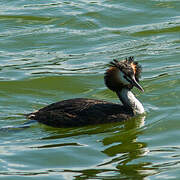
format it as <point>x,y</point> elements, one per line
<point>55,50</point>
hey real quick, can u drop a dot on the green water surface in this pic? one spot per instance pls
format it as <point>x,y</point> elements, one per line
<point>55,50</point>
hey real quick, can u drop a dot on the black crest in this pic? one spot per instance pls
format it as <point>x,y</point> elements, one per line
<point>127,66</point>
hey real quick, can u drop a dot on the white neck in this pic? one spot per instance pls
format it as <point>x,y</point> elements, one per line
<point>129,100</point>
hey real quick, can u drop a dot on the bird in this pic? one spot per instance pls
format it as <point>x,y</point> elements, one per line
<point>120,77</point>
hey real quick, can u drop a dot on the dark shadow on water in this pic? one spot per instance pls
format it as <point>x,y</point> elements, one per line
<point>120,142</point>
<point>56,133</point>
<point>123,149</point>
<point>126,148</point>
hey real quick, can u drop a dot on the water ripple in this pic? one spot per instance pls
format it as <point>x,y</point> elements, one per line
<point>50,51</point>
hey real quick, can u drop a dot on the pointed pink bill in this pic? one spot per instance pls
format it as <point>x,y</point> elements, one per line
<point>136,84</point>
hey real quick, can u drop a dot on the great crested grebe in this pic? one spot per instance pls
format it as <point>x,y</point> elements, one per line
<point>121,77</point>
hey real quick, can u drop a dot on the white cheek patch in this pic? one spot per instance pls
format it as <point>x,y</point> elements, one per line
<point>122,79</point>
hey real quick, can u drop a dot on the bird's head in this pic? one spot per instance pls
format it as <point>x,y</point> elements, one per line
<point>123,74</point>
